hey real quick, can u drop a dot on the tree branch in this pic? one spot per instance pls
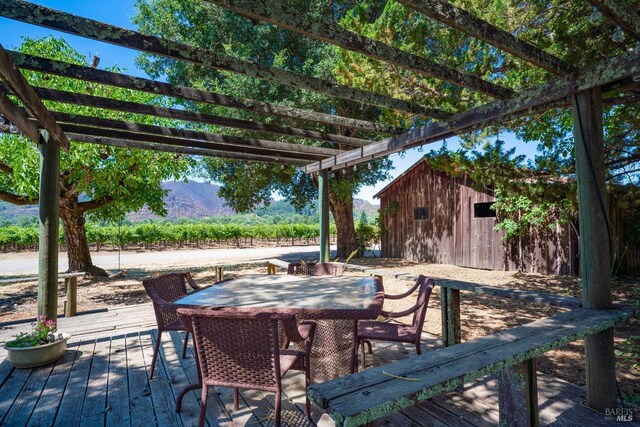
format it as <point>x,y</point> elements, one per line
<point>6,168</point>
<point>14,199</point>
<point>94,204</point>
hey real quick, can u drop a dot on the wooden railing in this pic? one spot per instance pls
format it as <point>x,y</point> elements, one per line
<point>363,397</point>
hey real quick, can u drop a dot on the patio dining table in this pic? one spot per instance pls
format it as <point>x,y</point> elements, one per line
<point>335,303</point>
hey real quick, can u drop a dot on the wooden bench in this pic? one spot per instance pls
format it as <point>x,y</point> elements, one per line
<point>365,396</point>
<point>70,286</point>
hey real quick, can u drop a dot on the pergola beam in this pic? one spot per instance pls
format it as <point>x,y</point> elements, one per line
<point>80,72</point>
<point>221,143</point>
<point>21,88</point>
<point>50,18</point>
<point>621,14</point>
<point>468,23</point>
<point>534,99</point>
<point>190,116</point>
<point>108,127</point>
<point>286,15</point>
<point>19,118</point>
<point>149,145</point>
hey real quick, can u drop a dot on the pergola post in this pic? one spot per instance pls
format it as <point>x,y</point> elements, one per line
<point>49,224</point>
<point>323,209</point>
<point>595,244</point>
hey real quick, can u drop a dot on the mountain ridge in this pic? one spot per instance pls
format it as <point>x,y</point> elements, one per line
<point>190,199</point>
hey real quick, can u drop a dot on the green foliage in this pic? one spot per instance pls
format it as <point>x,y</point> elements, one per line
<point>122,180</point>
<point>366,236</point>
<point>559,27</point>
<point>42,333</point>
<point>246,185</point>
<point>363,218</point>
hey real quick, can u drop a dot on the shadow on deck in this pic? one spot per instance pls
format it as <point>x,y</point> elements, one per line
<point>102,380</point>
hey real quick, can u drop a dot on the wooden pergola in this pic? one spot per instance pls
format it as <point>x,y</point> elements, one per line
<point>583,88</point>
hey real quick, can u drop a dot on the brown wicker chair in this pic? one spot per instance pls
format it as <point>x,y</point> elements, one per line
<point>386,331</point>
<point>316,269</point>
<point>163,291</point>
<point>335,337</point>
<point>240,349</point>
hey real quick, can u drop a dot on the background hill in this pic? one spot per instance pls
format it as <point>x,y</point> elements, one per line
<point>187,200</point>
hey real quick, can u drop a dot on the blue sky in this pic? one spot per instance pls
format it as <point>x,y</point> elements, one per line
<point>120,12</point>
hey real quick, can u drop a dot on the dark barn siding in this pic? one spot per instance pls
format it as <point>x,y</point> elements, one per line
<point>452,235</point>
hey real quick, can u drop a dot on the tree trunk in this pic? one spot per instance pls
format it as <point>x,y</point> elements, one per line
<point>342,211</point>
<point>75,236</point>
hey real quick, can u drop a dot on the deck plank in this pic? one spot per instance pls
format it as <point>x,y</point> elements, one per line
<point>46,409</point>
<point>170,360</point>
<point>28,397</point>
<point>11,389</point>
<point>95,400</point>
<point>70,410</point>
<point>5,371</point>
<point>140,402</point>
<point>160,385</point>
<point>118,391</point>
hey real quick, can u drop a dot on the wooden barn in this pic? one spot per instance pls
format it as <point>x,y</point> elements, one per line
<point>430,216</point>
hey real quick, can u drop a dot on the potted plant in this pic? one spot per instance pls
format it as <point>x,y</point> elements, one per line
<point>43,345</point>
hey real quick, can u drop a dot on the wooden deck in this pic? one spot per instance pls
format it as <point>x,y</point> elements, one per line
<point>102,380</point>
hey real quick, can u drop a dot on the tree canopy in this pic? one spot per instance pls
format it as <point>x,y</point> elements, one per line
<point>246,185</point>
<point>104,182</point>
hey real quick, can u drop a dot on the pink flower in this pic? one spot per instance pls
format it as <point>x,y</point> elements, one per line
<point>50,324</point>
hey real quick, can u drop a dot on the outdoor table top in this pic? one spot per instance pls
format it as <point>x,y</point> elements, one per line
<point>325,297</point>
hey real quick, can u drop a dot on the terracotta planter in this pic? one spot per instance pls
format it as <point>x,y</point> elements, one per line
<point>30,357</point>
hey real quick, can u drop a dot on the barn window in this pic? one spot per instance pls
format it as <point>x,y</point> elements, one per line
<point>420,214</point>
<point>484,210</point>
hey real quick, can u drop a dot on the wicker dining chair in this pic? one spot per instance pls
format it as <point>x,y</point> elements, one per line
<point>240,349</point>
<point>369,330</point>
<point>163,291</point>
<point>316,269</point>
<point>334,337</point>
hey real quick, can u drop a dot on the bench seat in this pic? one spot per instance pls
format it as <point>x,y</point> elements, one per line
<point>366,396</point>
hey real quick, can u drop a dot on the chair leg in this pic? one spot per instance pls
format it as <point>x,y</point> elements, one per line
<point>363,363</point>
<point>307,381</point>
<point>418,349</point>
<point>156,349</point>
<point>236,399</point>
<point>184,347</point>
<point>203,406</point>
<point>278,407</point>
<point>184,391</point>
<point>369,346</point>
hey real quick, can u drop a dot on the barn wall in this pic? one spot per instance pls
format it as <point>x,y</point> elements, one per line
<point>452,235</point>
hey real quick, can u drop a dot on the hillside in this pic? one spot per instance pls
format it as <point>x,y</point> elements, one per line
<point>185,200</point>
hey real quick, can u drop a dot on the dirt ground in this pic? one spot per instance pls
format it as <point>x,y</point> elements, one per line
<point>481,314</point>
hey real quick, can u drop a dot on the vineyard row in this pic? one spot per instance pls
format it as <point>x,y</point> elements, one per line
<point>14,238</point>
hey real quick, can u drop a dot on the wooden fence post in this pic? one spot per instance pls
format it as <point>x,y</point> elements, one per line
<point>219,273</point>
<point>49,209</point>
<point>71,290</point>
<point>595,243</point>
<point>450,311</point>
<point>518,393</point>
